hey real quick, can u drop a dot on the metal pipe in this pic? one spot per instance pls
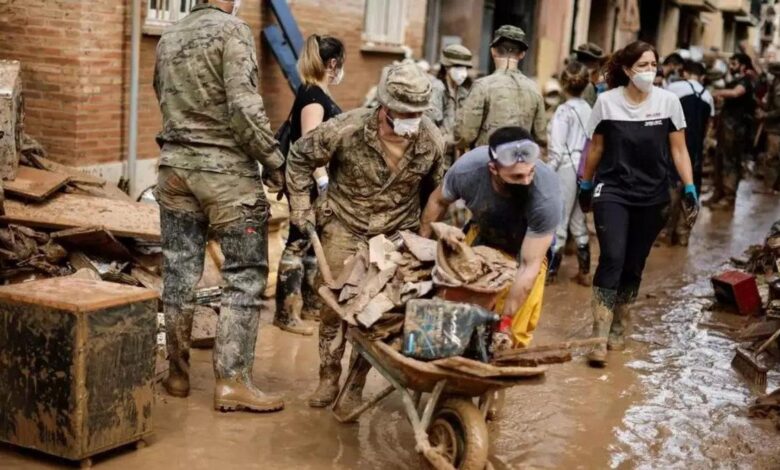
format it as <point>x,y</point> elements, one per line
<point>132,130</point>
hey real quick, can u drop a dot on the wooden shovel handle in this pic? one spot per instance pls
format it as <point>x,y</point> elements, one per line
<point>322,261</point>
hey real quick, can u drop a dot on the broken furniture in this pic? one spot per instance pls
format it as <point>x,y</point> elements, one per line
<point>737,290</point>
<point>77,365</point>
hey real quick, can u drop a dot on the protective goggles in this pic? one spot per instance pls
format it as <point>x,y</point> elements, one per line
<point>508,154</point>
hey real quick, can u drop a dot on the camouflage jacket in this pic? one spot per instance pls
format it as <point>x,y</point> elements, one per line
<point>505,98</point>
<point>363,193</point>
<point>445,105</point>
<point>206,82</point>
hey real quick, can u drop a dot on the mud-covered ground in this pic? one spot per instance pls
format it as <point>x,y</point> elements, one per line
<point>671,400</point>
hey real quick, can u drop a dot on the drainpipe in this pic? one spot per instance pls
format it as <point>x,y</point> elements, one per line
<point>132,128</point>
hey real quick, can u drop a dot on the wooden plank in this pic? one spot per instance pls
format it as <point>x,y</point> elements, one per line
<point>121,218</point>
<point>94,240</point>
<point>35,184</point>
<point>74,295</point>
<point>480,369</point>
<point>76,175</point>
<point>108,191</point>
<point>289,27</point>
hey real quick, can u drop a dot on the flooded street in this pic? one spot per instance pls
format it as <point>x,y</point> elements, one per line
<point>671,400</point>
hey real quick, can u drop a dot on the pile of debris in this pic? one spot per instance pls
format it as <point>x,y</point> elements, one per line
<point>383,276</point>
<point>763,259</point>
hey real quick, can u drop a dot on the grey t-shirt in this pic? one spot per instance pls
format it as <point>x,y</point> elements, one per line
<point>504,221</point>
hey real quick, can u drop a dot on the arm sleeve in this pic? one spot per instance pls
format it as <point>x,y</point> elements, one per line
<point>540,122</point>
<point>248,121</point>
<point>676,114</point>
<point>556,139</point>
<point>546,214</point>
<point>451,187</point>
<point>596,117</point>
<point>469,118</point>
<point>310,152</point>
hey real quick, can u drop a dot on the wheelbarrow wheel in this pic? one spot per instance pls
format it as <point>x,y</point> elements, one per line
<point>459,433</point>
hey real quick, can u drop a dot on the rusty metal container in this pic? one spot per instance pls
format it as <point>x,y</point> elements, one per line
<point>76,365</point>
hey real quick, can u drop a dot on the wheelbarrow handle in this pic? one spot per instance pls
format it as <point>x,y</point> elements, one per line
<point>322,261</point>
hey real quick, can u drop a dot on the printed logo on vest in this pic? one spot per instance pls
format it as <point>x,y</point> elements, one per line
<point>597,191</point>
<point>657,122</point>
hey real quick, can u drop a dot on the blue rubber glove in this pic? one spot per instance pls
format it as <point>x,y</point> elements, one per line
<point>586,196</point>
<point>690,204</point>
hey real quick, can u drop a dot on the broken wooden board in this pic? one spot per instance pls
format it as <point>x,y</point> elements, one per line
<point>107,191</point>
<point>147,279</point>
<point>34,184</point>
<point>480,369</point>
<point>123,219</point>
<point>204,327</point>
<point>515,355</point>
<point>424,249</point>
<point>75,175</point>
<point>95,240</point>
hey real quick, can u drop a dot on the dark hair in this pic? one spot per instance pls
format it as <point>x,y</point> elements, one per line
<point>508,134</point>
<point>626,57</point>
<point>317,52</point>
<point>694,68</point>
<point>507,47</point>
<point>674,59</point>
<point>743,59</point>
<point>575,78</point>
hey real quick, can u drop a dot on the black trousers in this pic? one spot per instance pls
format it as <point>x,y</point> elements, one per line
<point>626,235</point>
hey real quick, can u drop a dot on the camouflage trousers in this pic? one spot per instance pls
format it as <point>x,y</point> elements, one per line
<point>728,159</point>
<point>236,210</point>
<point>295,287</point>
<point>771,169</point>
<point>339,244</point>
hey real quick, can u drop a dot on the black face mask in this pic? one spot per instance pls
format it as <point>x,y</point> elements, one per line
<point>519,191</point>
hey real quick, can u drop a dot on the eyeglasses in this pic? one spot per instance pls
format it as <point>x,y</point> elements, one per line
<point>509,153</point>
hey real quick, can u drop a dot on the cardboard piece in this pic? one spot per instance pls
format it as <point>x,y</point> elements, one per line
<point>75,175</point>
<point>36,185</point>
<point>94,240</point>
<point>124,219</point>
<point>374,310</point>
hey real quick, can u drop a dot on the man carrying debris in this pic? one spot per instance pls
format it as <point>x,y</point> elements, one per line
<point>505,98</point>
<point>516,208</point>
<point>215,131</point>
<point>380,161</point>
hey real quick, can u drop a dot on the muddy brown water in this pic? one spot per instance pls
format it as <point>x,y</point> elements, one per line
<point>671,400</point>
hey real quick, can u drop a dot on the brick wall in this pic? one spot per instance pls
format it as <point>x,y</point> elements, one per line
<point>76,59</point>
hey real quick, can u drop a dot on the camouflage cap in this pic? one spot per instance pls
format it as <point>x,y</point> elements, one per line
<point>455,54</point>
<point>404,88</point>
<point>511,33</point>
<point>589,51</point>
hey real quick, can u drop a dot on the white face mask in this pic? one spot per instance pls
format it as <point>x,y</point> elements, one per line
<point>406,127</point>
<point>339,77</point>
<point>504,63</point>
<point>459,75</point>
<point>236,6</point>
<point>643,80</point>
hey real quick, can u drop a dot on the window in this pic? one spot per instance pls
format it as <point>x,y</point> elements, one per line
<point>161,13</point>
<point>385,23</point>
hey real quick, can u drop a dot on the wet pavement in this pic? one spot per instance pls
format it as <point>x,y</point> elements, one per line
<point>671,400</point>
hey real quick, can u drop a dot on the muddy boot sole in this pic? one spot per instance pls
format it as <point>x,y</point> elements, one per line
<point>176,390</point>
<point>323,398</point>
<point>226,406</point>
<point>597,359</point>
<point>296,330</point>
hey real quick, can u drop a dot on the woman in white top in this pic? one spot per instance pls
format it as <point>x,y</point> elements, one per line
<point>566,141</point>
<point>637,131</point>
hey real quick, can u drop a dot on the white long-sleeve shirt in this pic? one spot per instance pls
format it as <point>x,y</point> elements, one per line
<point>566,134</point>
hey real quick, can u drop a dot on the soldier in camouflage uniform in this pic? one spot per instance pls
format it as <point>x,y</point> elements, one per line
<point>215,132</point>
<point>505,98</point>
<point>379,160</point>
<point>450,89</point>
<point>771,119</point>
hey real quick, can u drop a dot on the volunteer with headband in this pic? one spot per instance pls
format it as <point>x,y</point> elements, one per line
<point>515,204</point>
<point>637,134</point>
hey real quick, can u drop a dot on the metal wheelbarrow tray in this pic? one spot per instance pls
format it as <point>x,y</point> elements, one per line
<point>449,428</point>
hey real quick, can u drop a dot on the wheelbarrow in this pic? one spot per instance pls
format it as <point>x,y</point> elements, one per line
<point>449,427</point>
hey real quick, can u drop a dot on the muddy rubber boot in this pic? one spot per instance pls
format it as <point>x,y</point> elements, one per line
<point>327,390</point>
<point>311,299</point>
<point>616,340</point>
<point>289,300</point>
<point>554,266</point>
<point>602,305</point>
<point>178,322</point>
<point>355,383</point>
<point>238,394</point>
<point>583,260</point>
